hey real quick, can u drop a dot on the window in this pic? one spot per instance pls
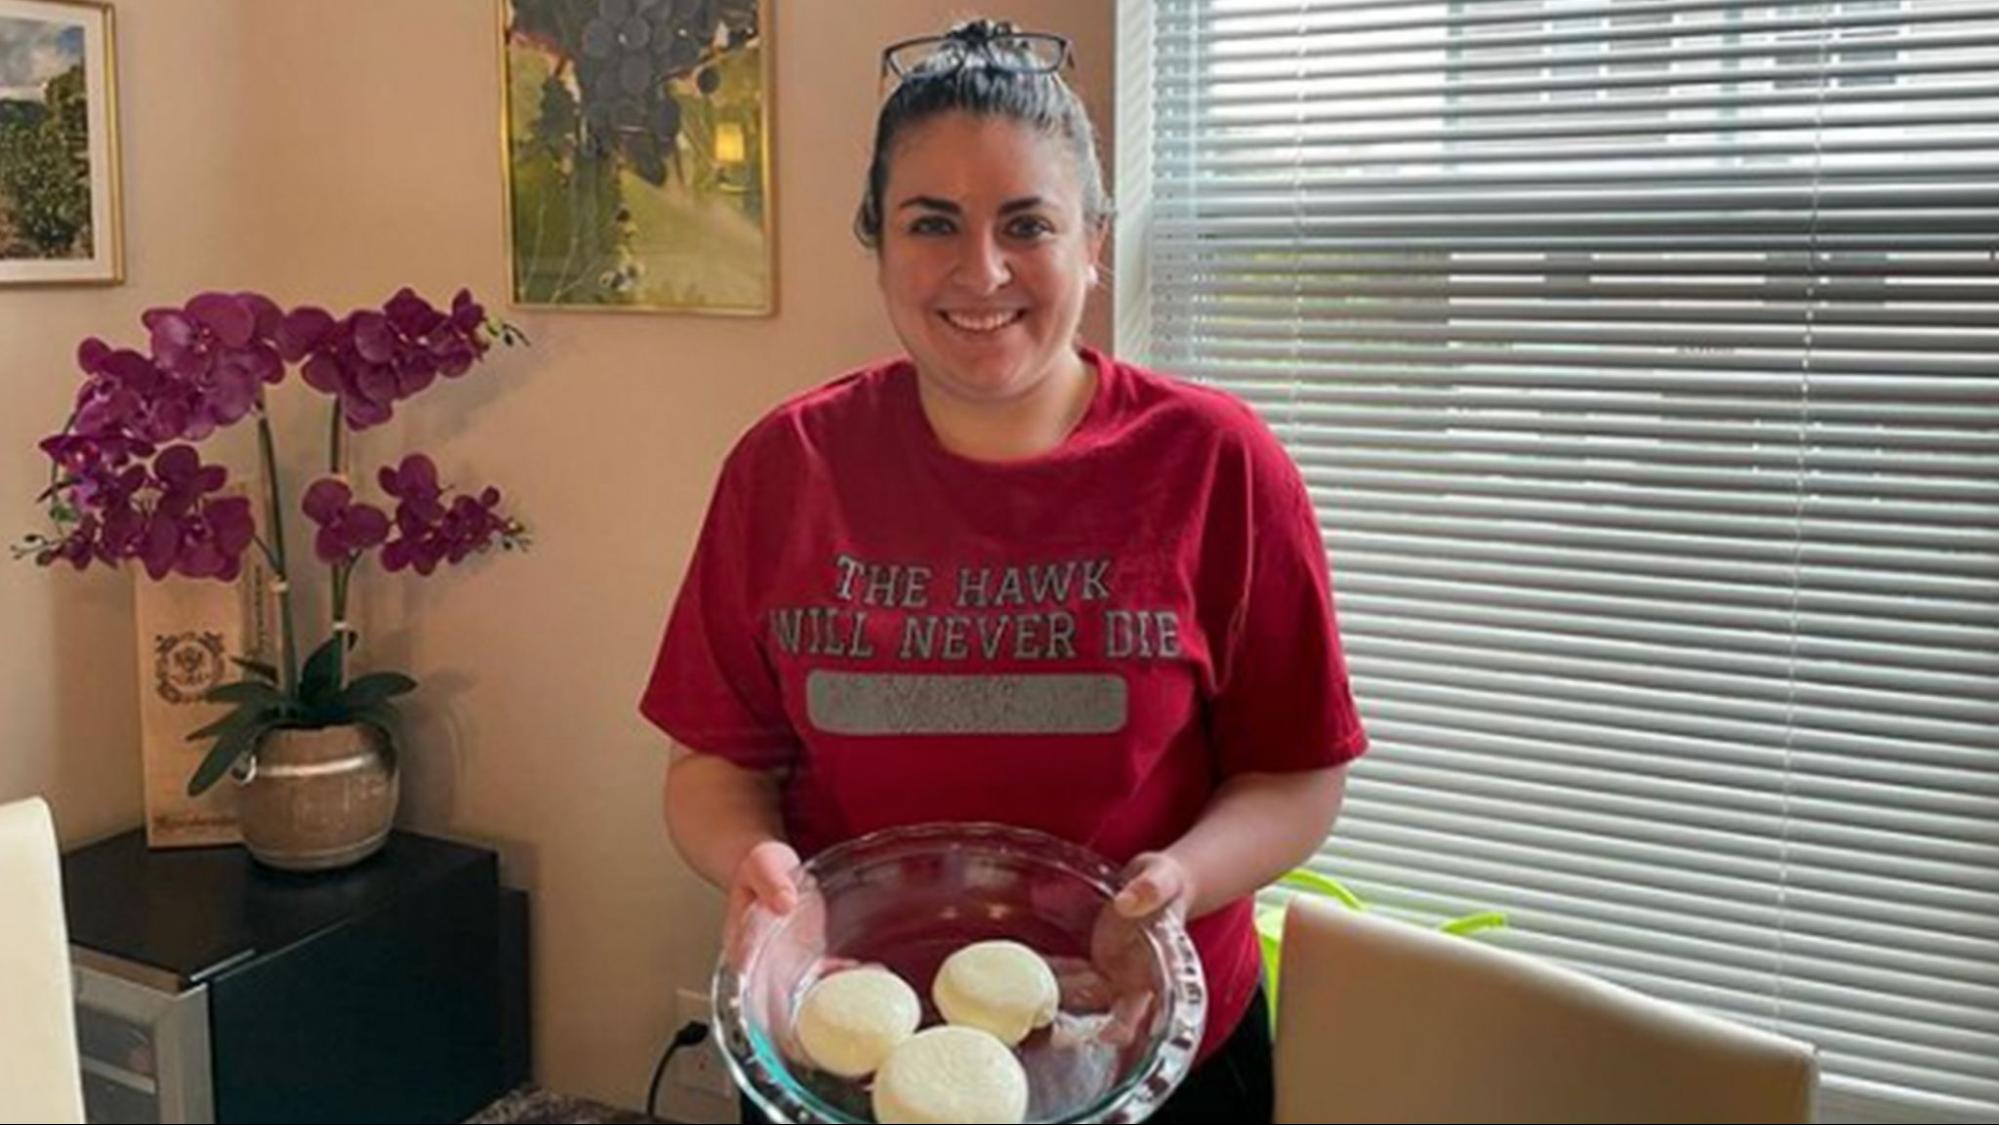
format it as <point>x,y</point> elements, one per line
<point>1643,358</point>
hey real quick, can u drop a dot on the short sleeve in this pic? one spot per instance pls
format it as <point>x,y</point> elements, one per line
<point>1283,700</point>
<point>713,688</point>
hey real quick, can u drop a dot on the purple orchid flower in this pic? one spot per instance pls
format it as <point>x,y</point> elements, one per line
<point>346,529</point>
<point>375,359</point>
<point>430,532</point>
<point>127,485</point>
<point>414,483</point>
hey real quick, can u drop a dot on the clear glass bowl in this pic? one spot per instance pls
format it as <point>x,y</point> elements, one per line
<point>1133,999</point>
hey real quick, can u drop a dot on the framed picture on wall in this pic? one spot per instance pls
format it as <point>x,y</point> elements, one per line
<point>59,208</point>
<point>637,144</point>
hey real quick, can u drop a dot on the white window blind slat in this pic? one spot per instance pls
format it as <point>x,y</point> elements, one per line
<point>1494,25</point>
<point>1888,640</point>
<point>1476,183</point>
<point>1699,645</point>
<point>1242,13</point>
<point>1783,301</point>
<point>1638,357</point>
<point>1727,824</point>
<point>1258,116</point>
<point>1613,766</point>
<point>1701,633</point>
<point>1700,909</point>
<point>1555,129</point>
<point>1774,300</point>
<point>1650,922</point>
<point>1532,818</point>
<point>1187,261</point>
<point>1409,472</point>
<point>1661,326</point>
<point>1957,721</point>
<point>1849,554</point>
<point>1834,374</point>
<point>1939,1025</point>
<point>1673,482</point>
<point>1949,1015</point>
<point>1275,68</point>
<point>1839,77</point>
<point>1520,440</point>
<point>1720,425</point>
<point>1719,552</point>
<point>1602,721</point>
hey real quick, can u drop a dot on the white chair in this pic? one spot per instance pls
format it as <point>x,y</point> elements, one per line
<point>1382,1021</point>
<point>39,1079</point>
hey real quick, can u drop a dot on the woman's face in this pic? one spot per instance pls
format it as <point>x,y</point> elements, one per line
<point>985,255</point>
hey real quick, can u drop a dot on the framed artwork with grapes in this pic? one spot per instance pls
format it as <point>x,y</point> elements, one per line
<point>637,143</point>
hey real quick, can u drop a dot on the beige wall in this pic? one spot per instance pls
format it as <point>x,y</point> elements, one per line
<point>68,671</point>
<point>332,150</point>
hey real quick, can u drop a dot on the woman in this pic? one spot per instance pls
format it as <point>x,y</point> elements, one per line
<point>1008,578</point>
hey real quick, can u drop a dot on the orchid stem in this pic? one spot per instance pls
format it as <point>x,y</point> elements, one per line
<point>336,448</point>
<point>273,491</point>
<point>341,630</point>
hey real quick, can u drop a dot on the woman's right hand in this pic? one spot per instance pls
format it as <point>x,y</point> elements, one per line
<point>769,877</point>
<point>766,877</point>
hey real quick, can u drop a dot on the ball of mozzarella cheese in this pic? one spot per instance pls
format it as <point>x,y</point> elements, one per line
<point>951,1075</point>
<point>1001,987</point>
<point>850,1021</point>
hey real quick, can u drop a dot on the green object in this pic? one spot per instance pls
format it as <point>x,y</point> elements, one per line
<point>1473,923</point>
<point>1270,920</point>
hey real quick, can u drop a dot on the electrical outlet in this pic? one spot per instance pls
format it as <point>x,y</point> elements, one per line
<point>700,1068</point>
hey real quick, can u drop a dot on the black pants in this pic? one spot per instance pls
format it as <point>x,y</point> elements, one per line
<point>1237,1084</point>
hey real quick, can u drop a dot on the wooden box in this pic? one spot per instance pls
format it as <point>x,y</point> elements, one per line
<point>188,631</point>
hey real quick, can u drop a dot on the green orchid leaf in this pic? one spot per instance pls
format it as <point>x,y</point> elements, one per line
<point>376,688</point>
<point>250,692</point>
<point>248,713</point>
<point>234,743</point>
<point>316,718</point>
<point>257,668</point>
<point>385,718</point>
<point>319,681</point>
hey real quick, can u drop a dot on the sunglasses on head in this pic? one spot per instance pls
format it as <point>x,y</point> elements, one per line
<point>998,47</point>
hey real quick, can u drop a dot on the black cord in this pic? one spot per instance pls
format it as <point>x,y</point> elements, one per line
<point>690,1035</point>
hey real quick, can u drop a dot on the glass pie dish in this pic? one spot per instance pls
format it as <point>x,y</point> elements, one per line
<point>1134,1003</point>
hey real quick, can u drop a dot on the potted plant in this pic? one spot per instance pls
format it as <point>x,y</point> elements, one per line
<point>314,747</point>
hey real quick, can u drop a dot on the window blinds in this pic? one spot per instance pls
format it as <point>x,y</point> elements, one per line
<point>1643,359</point>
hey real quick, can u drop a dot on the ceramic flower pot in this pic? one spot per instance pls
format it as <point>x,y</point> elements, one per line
<point>316,800</point>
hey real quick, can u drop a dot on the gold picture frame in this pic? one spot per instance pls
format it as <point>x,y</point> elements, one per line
<point>636,141</point>
<point>61,215</point>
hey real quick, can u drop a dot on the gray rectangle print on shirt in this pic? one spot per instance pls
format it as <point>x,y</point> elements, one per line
<point>877,703</point>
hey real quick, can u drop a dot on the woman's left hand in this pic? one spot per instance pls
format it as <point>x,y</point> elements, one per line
<point>1155,883</point>
<point>1119,979</point>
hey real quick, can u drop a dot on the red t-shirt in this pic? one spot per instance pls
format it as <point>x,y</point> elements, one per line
<point>1086,642</point>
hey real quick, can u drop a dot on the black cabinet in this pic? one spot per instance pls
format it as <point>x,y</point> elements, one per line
<point>219,990</point>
